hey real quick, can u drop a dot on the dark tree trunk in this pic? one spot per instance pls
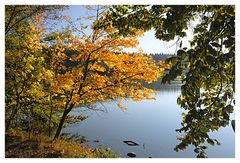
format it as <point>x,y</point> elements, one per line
<point>50,117</point>
<point>12,116</point>
<point>60,126</point>
<point>13,113</point>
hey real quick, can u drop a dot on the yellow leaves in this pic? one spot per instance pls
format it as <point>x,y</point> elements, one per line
<point>29,67</point>
<point>163,65</point>
<point>30,41</point>
<point>121,106</point>
<point>63,56</point>
<point>104,14</point>
<point>33,43</point>
<point>98,81</point>
<point>111,73</point>
<point>31,58</point>
<point>75,98</point>
<point>64,78</point>
<point>151,98</point>
<point>137,98</point>
<point>100,68</point>
<point>62,67</point>
<point>32,27</point>
<point>58,40</point>
<point>41,59</point>
<point>77,72</point>
<point>34,36</point>
<point>110,30</point>
<point>145,94</point>
<point>86,88</point>
<point>101,97</point>
<point>139,33</point>
<point>48,74</point>
<point>62,82</point>
<point>75,57</point>
<point>58,104</point>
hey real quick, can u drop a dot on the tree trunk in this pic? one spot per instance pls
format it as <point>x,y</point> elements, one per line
<point>13,113</point>
<point>50,117</point>
<point>60,126</point>
<point>12,116</point>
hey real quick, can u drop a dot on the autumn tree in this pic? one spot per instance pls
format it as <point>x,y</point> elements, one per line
<point>25,94</point>
<point>93,68</point>
<point>23,67</point>
<point>207,67</point>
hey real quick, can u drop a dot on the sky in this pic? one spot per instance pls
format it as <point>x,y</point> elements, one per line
<point>148,43</point>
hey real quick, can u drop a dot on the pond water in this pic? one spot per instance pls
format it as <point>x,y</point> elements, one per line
<point>150,123</point>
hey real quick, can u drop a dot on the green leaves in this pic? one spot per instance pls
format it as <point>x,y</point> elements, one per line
<point>207,71</point>
<point>211,50</point>
<point>210,141</point>
<point>179,100</point>
<point>215,44</point>
<point>207,68</point>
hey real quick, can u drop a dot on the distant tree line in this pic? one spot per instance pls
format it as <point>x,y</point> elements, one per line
<point>159,56</point>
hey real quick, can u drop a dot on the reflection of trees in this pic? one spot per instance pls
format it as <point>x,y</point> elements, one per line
<point>157,85</point>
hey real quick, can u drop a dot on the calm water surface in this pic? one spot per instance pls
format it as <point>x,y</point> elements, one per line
<point>149,123</point>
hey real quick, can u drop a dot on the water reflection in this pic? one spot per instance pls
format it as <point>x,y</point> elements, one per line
<point>149,123</point>
<point>169,89</point>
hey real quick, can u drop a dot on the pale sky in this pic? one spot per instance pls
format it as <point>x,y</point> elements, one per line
<point>148,43</point>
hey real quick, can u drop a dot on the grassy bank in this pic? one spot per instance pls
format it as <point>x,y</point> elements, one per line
<point>18,144</point>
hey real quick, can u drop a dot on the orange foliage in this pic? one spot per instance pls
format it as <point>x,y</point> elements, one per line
<point>99,70</point>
